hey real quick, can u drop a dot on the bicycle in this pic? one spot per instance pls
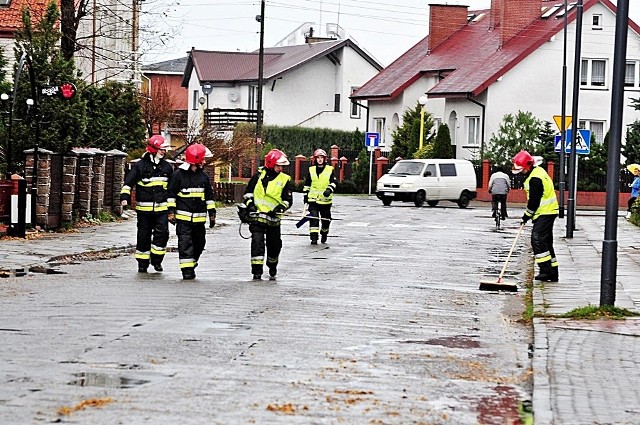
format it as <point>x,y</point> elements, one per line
<point>496,213</point>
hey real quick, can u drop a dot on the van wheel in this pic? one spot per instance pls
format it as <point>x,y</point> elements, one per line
<point>463,202</point>
<point>386,202</point>
<point>419,200</point>
<point>432,203</point>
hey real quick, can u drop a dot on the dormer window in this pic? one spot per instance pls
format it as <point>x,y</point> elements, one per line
<point>6,3</point>
<point>596,22</point>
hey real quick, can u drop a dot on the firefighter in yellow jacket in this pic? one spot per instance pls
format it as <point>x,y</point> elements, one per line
<point>268,195</point>
<point>319,186</point>
<point>542,210</point>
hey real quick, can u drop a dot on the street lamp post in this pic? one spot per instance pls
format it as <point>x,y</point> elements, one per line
<point>422,101</point>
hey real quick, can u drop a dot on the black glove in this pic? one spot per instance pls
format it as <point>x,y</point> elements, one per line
<point>212,220</point>
<point>327,193</point>
<point>306,198</point>
<point>279,209</point>
<point>252,208</point>
<point>525,218</point>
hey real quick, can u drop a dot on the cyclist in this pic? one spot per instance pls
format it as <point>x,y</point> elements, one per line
<point>499,186</point>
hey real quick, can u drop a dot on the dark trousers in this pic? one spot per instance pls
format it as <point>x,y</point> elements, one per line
<point>152,238</point>
<point>317,226</point>
<point>630,203</point>
<point>263,235</point>
<point>191,241</point>
<point>503,205</point>
<point>542,244</point>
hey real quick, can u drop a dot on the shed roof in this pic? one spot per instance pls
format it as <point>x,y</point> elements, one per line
<point>232,67</point>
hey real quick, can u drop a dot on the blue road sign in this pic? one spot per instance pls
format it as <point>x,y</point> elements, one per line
<point>583,142</point>
<point>372,140</point>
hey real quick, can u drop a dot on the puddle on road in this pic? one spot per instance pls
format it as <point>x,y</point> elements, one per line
<point>449,342</point>
<point>89,379</point>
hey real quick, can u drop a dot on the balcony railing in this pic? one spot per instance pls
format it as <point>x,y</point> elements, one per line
<point>220,117</point>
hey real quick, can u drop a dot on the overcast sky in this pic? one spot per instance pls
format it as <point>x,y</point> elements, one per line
<point>384,28</point>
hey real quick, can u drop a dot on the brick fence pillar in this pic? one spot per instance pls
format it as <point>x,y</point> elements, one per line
<point>69,169</point>
<point>486,173</point>
<point>114,180</point>
<point>380,164</point>
<point>298,167</point>
<point>98,182</point>
<point>551,169</point>
<point>335,152</point>
<point>343,164</point>
<point>84,175</point>
<point>43,182</point>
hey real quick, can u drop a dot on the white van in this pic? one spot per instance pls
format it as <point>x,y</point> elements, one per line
<point>430,181</point>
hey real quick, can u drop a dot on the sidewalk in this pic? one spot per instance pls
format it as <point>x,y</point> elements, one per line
<point>586,371</point>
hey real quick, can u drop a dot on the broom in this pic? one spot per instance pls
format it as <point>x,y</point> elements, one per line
<point>500,285</point>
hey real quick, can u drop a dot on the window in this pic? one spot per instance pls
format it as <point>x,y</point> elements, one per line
<point>431,168</point>
<point>596,22</point>
<point>196,96</point>
<point>5,2</point>
<point>378,127</point>
<point>355,109</point>
<point>447,170</point>
<point>596,127</point>
<point>336,102</point>
<point>631,75</point>
<point>593,73</point>
<point>473,130</point>
<point>252,102</point>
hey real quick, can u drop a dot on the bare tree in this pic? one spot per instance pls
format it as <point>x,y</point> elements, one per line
<point>159,107</point>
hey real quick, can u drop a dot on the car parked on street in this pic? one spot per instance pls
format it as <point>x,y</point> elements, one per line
<point>430,181</point>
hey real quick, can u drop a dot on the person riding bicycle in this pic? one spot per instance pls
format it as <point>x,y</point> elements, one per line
<point>499,186</point>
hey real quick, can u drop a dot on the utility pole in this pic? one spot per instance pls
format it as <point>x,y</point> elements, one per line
<point>260,18</point>
<point>563,130</point>
<point>571,204</point>
<point>610,244</point>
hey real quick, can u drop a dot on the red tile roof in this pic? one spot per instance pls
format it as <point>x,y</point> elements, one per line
<point>471,59</point>
<point>237,67</point>
<point>11,17</point>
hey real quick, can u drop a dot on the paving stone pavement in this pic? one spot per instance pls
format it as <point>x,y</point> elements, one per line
<point>588,372</point>
<point>585,372</point>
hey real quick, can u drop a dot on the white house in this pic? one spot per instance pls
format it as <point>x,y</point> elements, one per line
<point>476,67</point>
<point>305,85</point>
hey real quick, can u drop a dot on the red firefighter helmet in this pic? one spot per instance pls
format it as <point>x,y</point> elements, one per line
<point>157,142</point>
<point>319,152</point>
<point>275,157</point>
<point>523,161</point>
<point>195,154</point>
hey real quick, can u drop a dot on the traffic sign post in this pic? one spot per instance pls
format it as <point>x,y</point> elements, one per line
<point>371,141</point>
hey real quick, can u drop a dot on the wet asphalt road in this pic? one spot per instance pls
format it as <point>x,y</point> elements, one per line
<point>383,325</point>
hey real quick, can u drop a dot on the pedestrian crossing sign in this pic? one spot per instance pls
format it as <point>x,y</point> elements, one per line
<point>583,142</point>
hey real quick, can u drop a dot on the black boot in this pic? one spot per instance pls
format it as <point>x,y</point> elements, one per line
<point>323,238</point>
<point>314,240</point>
<point>548,276</point>
<point>188,274</point>
<point>273,271</point>
<point>257,276</point>
<point>157,267</point>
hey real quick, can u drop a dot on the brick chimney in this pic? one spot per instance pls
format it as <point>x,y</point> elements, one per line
<point>444,21</point>
<point>511,16</point>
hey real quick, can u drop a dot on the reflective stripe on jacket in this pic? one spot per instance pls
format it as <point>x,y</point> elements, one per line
<point>548,202</point>
<point>319,183</point>
<point>267,200</point>
<point>150,181</point>
<point>191,196</point>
